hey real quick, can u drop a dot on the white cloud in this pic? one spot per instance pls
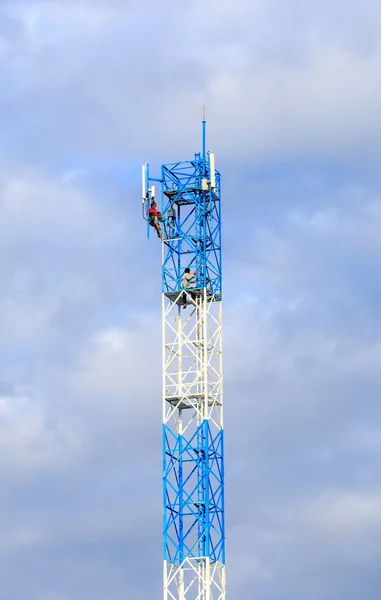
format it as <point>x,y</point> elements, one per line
<point>30,440</point>
<point>119,367</point>
<point>278,81</point>
<point>345,514</point>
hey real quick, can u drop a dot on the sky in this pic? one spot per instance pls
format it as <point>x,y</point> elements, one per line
<point>90,90</point>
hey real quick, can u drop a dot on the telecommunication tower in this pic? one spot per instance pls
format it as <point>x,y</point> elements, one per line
<point>189,226</point>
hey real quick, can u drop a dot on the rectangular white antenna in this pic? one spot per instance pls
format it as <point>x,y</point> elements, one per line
<point>152,192</point>
<point>144,182</point>
<point>212,174</point>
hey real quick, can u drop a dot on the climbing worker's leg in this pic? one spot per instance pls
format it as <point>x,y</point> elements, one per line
<point>157,227</point>
<point>184,300</point>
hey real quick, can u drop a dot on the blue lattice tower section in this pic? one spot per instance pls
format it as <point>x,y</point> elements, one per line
<point>193,438</point>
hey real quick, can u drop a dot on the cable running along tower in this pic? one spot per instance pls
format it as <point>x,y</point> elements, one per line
<point>189,226</point>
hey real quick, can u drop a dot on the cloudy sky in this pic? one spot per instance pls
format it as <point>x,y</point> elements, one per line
<point>89,90</point>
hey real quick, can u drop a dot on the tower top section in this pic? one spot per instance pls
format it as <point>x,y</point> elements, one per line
<point>188,222</point>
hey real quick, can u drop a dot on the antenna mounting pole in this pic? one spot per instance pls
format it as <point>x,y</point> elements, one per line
<point>203,132</point>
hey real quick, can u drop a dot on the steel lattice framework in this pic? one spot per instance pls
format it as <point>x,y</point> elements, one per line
<point>193,434</point>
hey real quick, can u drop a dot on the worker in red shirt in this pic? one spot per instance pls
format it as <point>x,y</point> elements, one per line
<point>154,217</point>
